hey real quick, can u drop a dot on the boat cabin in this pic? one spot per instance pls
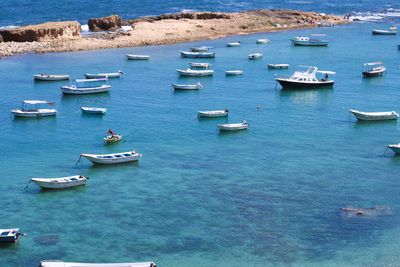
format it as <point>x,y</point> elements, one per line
<point>90,83</point>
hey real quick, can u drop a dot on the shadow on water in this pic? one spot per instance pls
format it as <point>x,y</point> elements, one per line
<point>363,124</point>
<point>306,96</point>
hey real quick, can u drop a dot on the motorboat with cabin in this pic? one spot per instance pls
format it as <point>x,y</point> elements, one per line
<point>373,69</point>
<point>308,41</point>
<point>10,235</point>
<point>35,108</point>
<point>307,79</point>
<point>87,86</point>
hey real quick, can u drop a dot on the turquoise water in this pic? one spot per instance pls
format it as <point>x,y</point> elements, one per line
<point>269,196</point>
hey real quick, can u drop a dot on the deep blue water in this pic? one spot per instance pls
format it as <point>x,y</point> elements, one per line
<point>23,12</point>
<point>269,196</point>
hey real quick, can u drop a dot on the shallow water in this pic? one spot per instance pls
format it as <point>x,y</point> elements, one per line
<point>269,196</point>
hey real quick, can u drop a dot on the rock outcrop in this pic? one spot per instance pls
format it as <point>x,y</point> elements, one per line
<point>42,32</point>
<point>110,23</point>
<point>178,16</point>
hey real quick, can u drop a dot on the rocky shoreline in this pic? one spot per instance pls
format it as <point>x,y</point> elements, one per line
<point>154,30</point>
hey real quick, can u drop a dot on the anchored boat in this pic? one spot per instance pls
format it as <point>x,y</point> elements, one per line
<point>197,54</point>
<point>278,66</point>
<point>10,235</point>
<point>213,113</point>
<point>233,126</point>
<point>195,73</point>
<point>233,44</point>
<point>104,75</point>
<point>49,263</point>
<point>33,108</point>
<point>262,41</point>
<point>62,182</point>
<point>87,86</point>
<point>374,116</point>
<point>373,69</point>
<point>51,77</point>
<point>391,31</point>
<point>196,86</point>
<point>137,57</point>
<point>233,72</point>
<point>308,41</point>
<point>307,79</point>
<point>395,148</point>
<point>112,138</point>
<point>93,110</point>
<point>115,158</point>
<point>255,56</point>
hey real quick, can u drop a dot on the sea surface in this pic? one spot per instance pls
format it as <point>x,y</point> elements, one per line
<point>24,12</point>
<point>268,196</point>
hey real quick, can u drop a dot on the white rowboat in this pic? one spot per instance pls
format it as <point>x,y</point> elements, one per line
<point>255,56</point>
<point>104,75</point>
<point>262,41</point>
<point>195,73</point>
<point>51,77</point>
<point>196,86</point>
<point>375,116</point>
<point>233,72</point>
<point>233,44</point>
<point>115,158</point>
<point>93,110</point>
<point>197,54</point>
<point>233,126</point>
<point>278,66</point>
<point>137,57</point>
<point>62,182</point>
<point>35,109</point>
<point>213,113</point>
<point>77,264</point>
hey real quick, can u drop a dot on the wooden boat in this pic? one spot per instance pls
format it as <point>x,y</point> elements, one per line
<point>200,48</point>
<point>307,41</point>
<point>233,44</point>
<point>113,158</point>
<point>262,41</point>
<point>51,77</point>
<point>278,66</point>
<point>233,72</point>
<point>395,148</point>
<point>213,113</point>
<point>196,86</point>
<point>10,235</point>
<point>48,263</point>
<point>109,139</point>
<point>255,56</point>
<point>104,75</point>
<point>197,54</point>
<point>306,79</point>
<point>93,110</point>
<point>373,69</point>
<point>137,57</point>
<point>233,126</point>
<point>199,65</point>
<point>391,31</point>
<point>62,182</point>
<point>195,73</point>
<point>32,108</point>
<point>87,86</point>
<point>375,116</point>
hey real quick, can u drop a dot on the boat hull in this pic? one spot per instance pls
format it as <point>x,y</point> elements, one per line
<point>137,57</point>
<point>9,235</point>
<point>52,184</point>
<point>383,32</point>
<point>233,72</point>
<point>208,114</point>
<point>195,73</point>
<point>70,90</point>
<point>286,84</point>
<point>309,43</point>
<point>197,55</point>
<point>34,114</point>
<point>186,86</point>
<point>94,110</point>
<point>395,148</point>
<point>370,74</point>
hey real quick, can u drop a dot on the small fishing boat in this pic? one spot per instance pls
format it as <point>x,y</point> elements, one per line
<point>197,54</point>
<point>262,41</point>
<point>10,235</point>
<point>33,108</point>
<point>51,77</point>
<point>200,48</point>
<point>196,86</point>
<point>278,66</point>
<point>113,158</point>
<point>373,69</point>
<point>112,138</point>
<point>213,113</point>
<point>93,110</point>
<point>110,75</point>
<point>391,31</point>
<point>307,79</point>
<point>199,65</point>
<point>50,263</point>
<point>233,72</point>
<point>194,73</point>
<point>233,126</point>
<point>62,182</point>
<point>137,57</point>
<point>395,148</point>
<point>375,116</point>
<point>308,41</point>
<point>255,56</point>
<point>233,44</point>
<point>87,86</point>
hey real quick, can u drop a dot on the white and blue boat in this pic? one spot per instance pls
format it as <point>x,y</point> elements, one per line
<point>87,86</point>
<point>308,41</point>
<point>186,54</point>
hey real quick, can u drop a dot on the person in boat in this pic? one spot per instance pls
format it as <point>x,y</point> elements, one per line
<point>325,77</point>
<point>111,132</point>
